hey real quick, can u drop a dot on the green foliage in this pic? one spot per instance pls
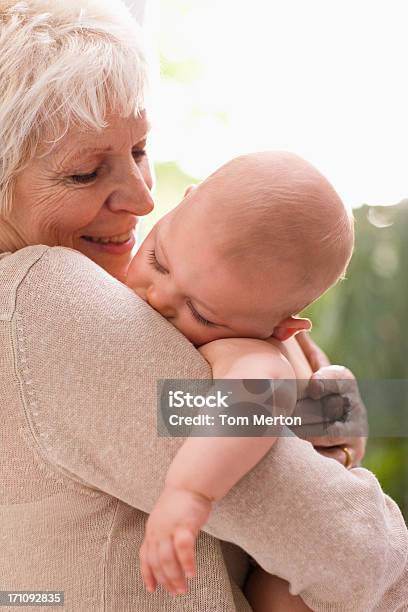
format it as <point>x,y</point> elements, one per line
<point>169,189</point>
<point>360,321</point>
<point>360,324</point>
<point>181,71</point>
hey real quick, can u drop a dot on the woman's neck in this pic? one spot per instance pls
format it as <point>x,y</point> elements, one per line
<point>9,238</point>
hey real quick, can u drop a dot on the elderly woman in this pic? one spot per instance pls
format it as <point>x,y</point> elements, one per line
<point>81,355</point>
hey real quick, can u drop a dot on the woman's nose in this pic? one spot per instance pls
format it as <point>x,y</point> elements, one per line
<point>161,301</point>
<point>132,193</point>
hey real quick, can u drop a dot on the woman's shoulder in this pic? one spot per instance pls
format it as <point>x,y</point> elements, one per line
<point>40,273</point>
<point>14,268</point>
<point>60,294</point>
<point>65,303</point>
<point>15,265</point>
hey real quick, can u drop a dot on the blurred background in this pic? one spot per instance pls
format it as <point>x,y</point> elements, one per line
<point>326,80</point>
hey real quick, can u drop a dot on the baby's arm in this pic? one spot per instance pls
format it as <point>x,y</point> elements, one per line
<point>205,469</point>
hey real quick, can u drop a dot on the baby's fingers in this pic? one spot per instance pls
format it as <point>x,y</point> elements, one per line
<point>171,567</point>
<point>154,563</point>
<point>146,571</point>
<point>184,541</point>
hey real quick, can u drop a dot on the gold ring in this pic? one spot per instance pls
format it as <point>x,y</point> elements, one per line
<point>349,459</point>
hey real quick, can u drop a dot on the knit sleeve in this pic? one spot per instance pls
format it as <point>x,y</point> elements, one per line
<point>89,354</point>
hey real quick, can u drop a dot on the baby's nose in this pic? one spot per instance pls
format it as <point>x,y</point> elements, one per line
<point>161,301</point>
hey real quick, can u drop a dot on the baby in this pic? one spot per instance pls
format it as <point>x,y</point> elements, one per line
<point>239,257</point>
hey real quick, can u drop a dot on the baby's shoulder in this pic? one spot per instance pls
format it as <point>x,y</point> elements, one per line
<point>299,365</point>
<point>281,361</point>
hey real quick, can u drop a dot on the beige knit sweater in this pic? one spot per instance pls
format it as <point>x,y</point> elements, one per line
<point>81,464</point>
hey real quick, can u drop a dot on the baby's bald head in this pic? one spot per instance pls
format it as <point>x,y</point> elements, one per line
<point>280,223</point>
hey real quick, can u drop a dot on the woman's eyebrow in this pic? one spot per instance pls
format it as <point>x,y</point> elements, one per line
<point>87,151</point>
<point>84,153</point>
<point>96,150</point>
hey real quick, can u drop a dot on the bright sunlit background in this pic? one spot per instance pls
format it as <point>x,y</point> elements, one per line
<point>326,79</point>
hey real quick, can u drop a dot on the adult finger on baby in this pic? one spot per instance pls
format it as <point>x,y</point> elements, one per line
<point>313,353</point>
<point>356,446</point>
<point>338,453</point>
<point>331,380</point>
<point>335,432</point>
<point>339,380</point>
<point>317,414</point>
<point>330,423</point>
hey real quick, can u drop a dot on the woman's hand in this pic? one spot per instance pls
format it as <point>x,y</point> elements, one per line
<point>333,414</point>
<point>333,406</point>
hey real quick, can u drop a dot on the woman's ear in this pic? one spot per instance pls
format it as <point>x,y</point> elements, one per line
<point>291,326</point>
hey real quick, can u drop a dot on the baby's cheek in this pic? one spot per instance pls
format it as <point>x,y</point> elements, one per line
<point>208,335</point>
<point>191,330</point>
<point>136,276</point>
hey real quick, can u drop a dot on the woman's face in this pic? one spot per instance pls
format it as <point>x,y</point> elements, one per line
<point>87,193</point>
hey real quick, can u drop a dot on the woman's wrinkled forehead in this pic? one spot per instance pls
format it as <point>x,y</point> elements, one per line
<point>79,143</point>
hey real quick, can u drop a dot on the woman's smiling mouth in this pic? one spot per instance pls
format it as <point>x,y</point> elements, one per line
<point>120,239</point>
<point>116,245</point>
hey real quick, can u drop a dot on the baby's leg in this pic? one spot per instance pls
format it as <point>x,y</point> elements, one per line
<point>267,593</point>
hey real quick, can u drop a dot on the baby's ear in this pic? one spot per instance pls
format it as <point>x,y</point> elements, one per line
<point>291,326</point>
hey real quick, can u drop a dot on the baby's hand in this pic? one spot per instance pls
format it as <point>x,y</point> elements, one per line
<point>167,551</point>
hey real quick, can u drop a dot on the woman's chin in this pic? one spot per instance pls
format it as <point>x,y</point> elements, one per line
<point>115,259</point>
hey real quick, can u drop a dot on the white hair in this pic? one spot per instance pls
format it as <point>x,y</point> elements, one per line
<point>63,63</point>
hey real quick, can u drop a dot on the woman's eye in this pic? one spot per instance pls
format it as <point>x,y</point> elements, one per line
<point>83,179</point>
<point>138,154</point>
<point>155,264</point>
